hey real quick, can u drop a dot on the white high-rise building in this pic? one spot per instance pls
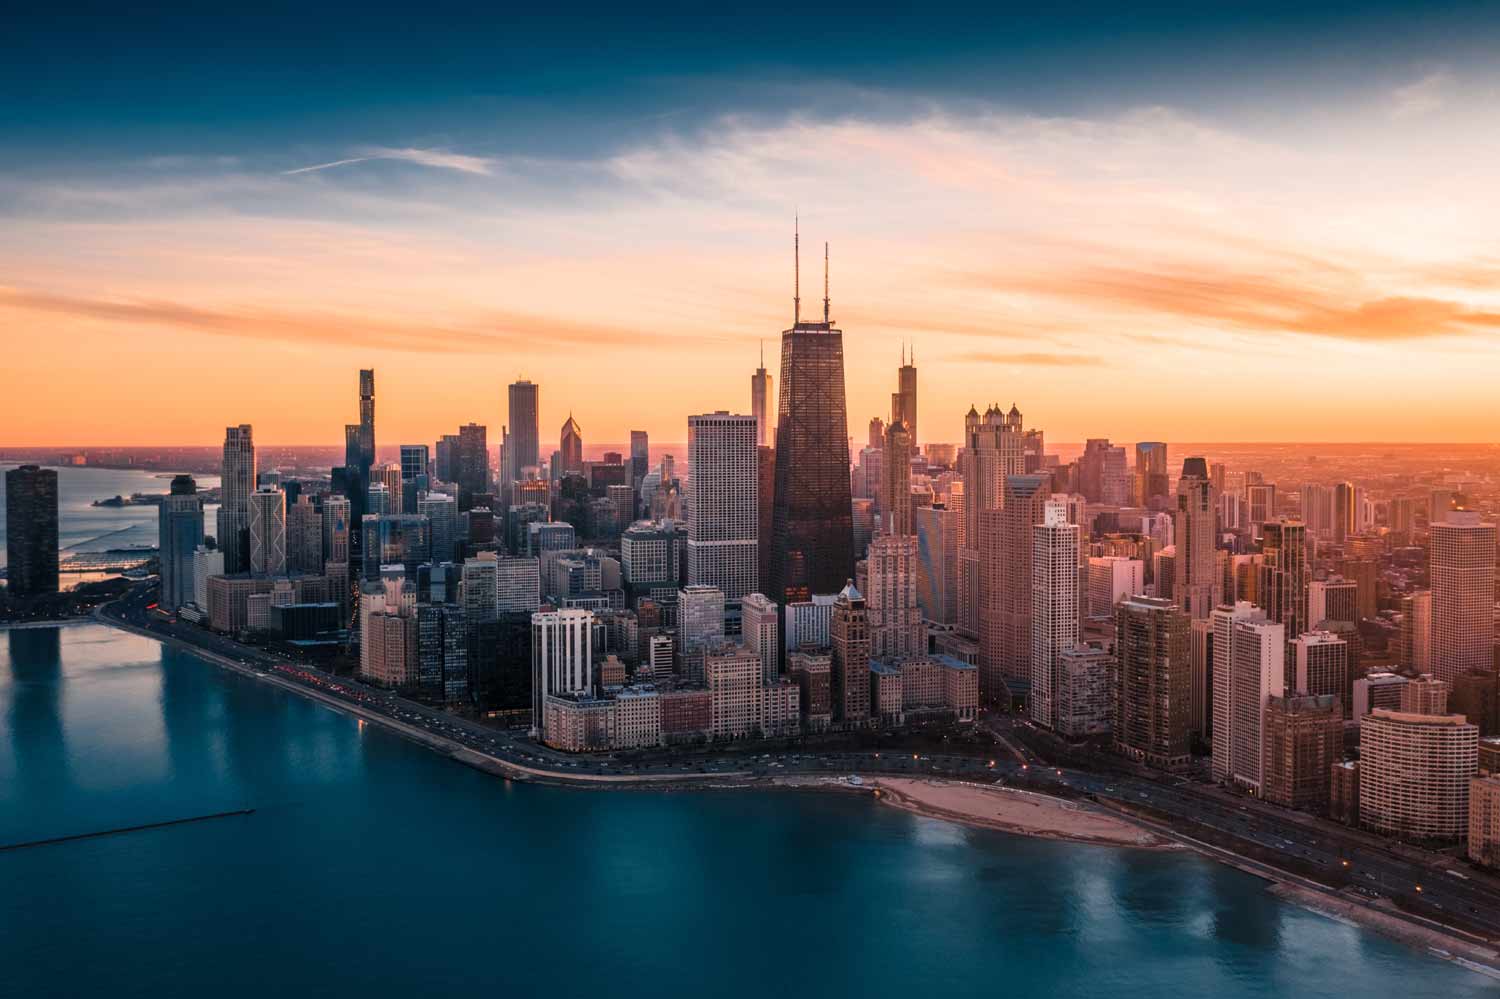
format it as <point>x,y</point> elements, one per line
<point>1112,578</point>
<point>1249,667</point>
<point>562,658</point>
<point>723,501</point>
<point>1054,606</point>
<point>808,622</point>
<point>759,616</point>
<point>206,562</point>
<point>700,623</point>
<point>481,586</point>
<point>1461,575</point>
<point>268,532</point>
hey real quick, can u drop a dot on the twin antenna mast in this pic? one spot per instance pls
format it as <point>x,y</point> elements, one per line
<point>797,274</point>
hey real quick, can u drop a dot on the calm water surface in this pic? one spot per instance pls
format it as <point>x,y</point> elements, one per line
<point>81,526</point>
<point>372,867</point>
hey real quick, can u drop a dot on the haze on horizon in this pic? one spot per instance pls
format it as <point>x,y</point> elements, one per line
<point>1263,225</point>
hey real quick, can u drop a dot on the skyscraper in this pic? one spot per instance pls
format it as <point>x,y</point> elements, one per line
<point>1054,607</point>
<point>1103,477</point>
<point>337,512</point>
<point>1249,667</point>
<point>760,401</point>
<point>1153,682</point>
<point>849,633</point>
<point>1005,584</point>
<point>562,658</point>
<point>523,434</point>
<point>268,532</point>
<point>31,530</point>
<point>179,533</point>
<point>304,536</point>
<point>640,457</point>
<point>812,546</point>
<point>1152,486</point>
<point>1199,585</point>
<point>759,627</point>
<point>904,399</point>
<point>1282,587</point>
<point>895,493</point>
<point>570,446</point>
<point>896,628</point>
<point>473,459</point>
<point>937,562</point>
<point>723,504</point>
<point>994,449</point>
<point>1461,574</point>
<point>1344,510</point>
<point>237,482</point>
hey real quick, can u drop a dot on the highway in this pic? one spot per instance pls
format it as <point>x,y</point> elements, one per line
<point>1353,864</point>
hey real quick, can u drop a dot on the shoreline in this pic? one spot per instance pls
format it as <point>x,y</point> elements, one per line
<point>1016,811</point>
<point>1446,943</point>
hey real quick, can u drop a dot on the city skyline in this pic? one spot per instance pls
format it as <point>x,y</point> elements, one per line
<point>1120,236</point>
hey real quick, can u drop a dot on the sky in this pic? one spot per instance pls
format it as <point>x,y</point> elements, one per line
<point>1175,222</point>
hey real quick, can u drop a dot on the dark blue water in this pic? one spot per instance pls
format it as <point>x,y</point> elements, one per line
<point>372,867</point>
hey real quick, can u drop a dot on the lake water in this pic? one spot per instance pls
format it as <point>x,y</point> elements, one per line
<point>373,867</point>
<point>81,526</point>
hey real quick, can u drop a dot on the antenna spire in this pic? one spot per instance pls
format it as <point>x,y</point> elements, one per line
<point>763,353</point>
<point>825,283</point>
<point>796,269</point>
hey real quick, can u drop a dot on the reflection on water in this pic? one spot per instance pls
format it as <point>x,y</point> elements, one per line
<point>467,883</point>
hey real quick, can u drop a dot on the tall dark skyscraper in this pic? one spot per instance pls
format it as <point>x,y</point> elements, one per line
<point>522,437</point>
<point>237,482</point>
<point>812,547</point>
<point>640,456</point>
<point>31,530</point>
<point>473,463</point>
<point>179,533</point>
<point>359,438</point>
<point>904,399</point>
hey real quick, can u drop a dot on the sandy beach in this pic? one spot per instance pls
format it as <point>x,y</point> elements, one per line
<point>1013,811</point>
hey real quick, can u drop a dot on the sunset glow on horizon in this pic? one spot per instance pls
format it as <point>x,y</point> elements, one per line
<point>1319,264</point>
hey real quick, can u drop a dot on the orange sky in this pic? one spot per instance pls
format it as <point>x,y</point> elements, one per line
<point>1148,275</point>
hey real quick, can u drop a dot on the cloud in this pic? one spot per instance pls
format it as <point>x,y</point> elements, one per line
<point>435,158</point>
<point>1038,359</point>
<point>1257,302</point>
<point>486,332</point>
<point>1421,96</point>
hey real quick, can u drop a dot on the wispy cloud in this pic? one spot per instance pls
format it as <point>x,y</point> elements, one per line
<point>436,158</point>
<point>1035,359</point>
<point>486,332</point>
<point>1256,302</point>
<point>1421,96</point>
